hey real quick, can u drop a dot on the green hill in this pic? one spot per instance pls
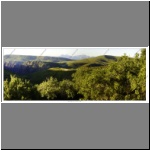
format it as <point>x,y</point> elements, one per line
<point>91,62</point>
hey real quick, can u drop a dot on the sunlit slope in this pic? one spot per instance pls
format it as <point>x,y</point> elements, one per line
<point>91,62</point>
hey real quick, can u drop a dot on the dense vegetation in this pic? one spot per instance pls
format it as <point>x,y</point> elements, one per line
<point>99,78</point>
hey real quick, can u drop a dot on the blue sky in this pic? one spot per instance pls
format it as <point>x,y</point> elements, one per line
<point>70,51</point>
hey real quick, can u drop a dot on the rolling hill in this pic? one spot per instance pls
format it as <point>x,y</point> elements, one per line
<point>91,62</point>
<point>36,71</point>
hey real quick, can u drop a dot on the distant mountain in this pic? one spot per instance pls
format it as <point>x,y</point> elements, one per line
<point>24,58</point>
<point>23,64</point>
<point>77,57</point>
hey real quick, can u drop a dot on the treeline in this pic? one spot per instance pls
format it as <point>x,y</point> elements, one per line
<point>124,79</point>
<point>51,89</point>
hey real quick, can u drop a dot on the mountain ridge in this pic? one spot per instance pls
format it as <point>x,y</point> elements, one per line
<point>28,65</point>
<point>23,58</point>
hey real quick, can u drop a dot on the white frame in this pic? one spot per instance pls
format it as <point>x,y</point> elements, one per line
<point>42,101</point>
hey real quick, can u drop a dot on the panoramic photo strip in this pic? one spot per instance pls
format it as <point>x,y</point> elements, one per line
<point>74,74</point>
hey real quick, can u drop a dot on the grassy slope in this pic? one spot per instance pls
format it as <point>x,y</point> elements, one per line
<point>40,76</point>
<point>94,61</point>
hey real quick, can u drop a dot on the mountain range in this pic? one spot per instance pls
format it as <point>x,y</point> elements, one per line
<point>76,57</point>
<point>24,58</point>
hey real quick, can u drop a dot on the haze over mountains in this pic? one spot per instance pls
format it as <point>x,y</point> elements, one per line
<point>76,57</point>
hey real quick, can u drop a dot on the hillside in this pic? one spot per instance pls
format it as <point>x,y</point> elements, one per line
<point>39,76</point>
<point>91,62</point>
<point>37,71</point>
<point>25,58</point>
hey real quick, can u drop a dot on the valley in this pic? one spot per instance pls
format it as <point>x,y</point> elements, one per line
<point>38,69</point>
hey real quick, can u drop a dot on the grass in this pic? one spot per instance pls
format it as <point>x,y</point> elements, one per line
<point>40,76</point>
<point>61,69</point>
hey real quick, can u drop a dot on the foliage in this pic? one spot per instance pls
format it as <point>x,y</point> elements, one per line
<point>49,88</point>
<point>67,90</point>
<point>121,80</point>
<point>18,89</point>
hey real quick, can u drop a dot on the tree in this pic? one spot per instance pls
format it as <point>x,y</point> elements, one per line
<point>49,89</point>
<point>67,90</point>
<point>18,89</point>
<point>124,79</point>
<point>80,82</point>
<point>138,84</point>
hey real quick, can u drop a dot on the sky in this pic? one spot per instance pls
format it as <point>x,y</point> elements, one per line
<point>73,51</point>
